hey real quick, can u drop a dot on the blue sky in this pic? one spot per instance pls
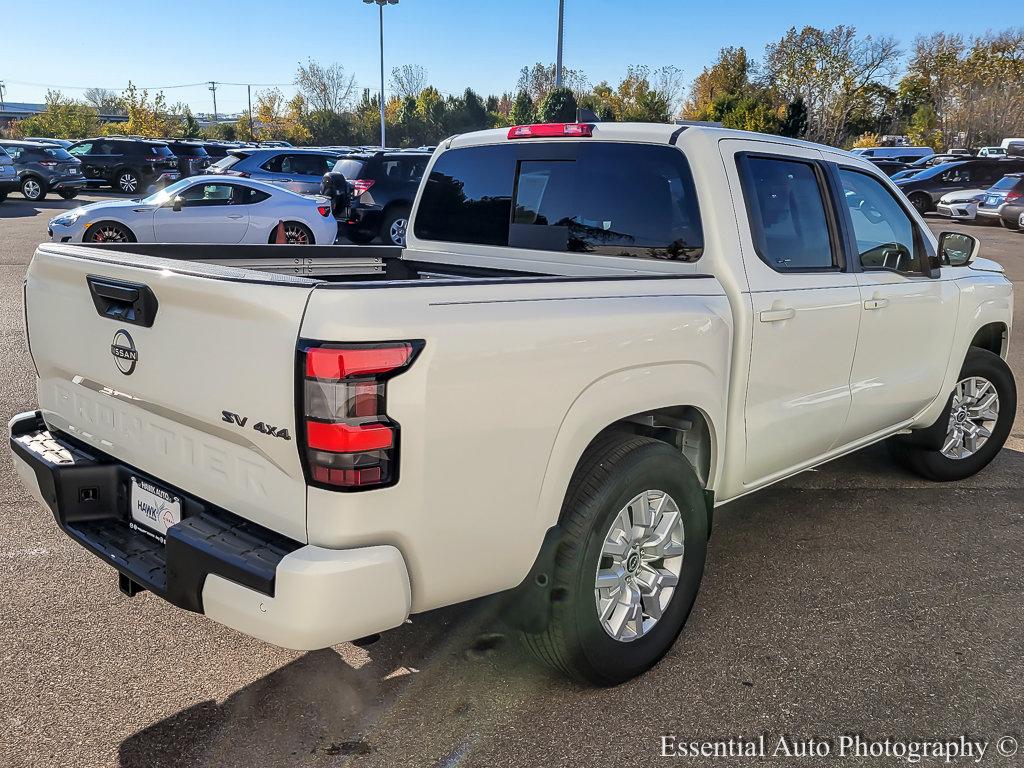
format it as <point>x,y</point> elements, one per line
<point>482,43</point>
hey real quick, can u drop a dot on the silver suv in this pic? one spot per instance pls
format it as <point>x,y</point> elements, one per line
<point>299,170</point>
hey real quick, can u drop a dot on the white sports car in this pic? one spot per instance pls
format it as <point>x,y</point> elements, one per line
<point>203,209</point>
<point>962,204</point>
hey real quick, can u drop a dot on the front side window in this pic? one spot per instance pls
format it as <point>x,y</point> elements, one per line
<point>958,175</point>
<point>207,194</point>
<point>786,208</point>
<point>884,231</point>
<point>601,198</point>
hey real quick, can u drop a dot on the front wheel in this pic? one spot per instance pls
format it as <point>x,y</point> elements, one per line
<point>973,427</point>
<point>33,189</point>
<point>108,232</point>
<point>922,202</point>
<point>630,562</point>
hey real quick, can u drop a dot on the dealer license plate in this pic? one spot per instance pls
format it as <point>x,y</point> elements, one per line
<point>153,508</point>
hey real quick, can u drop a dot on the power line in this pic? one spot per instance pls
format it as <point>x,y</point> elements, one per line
<point>142,87</point>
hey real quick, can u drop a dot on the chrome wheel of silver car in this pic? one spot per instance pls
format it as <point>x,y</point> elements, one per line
<point>296,234</point>
<point>972,417</point>
<point>397,232</point>
<point>641,559</point>
<point>31,189</point>
<point>109,233</point>
<point>127,182</point>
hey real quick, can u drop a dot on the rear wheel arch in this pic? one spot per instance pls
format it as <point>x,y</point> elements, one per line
<point>992,337</point>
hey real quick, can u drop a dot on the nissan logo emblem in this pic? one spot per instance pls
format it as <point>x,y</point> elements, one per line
<point>125,354</point>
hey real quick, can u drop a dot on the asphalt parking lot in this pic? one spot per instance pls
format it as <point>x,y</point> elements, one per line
<point>853,599</point>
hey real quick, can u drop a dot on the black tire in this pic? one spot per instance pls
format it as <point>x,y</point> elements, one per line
<point>393,222</point>
<point>69,195</point>
<point>921,201</point>
<point>94,234</point>
<point>921,453</point>
<point>359,236</point>
<point>127,181</point>
<point>1009,224</point>
<point>612,473</point>
<point>33,188</point>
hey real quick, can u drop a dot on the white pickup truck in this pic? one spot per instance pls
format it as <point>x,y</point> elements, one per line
<point>595,335</point>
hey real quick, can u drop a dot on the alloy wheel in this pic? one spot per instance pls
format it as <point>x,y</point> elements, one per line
<point>110,233</point>
<point>296,235</point>
<point>641,559</point>
<point>31,189</point>
<point>398,228</point>
<point>972,417</point>
<point>127,182</point>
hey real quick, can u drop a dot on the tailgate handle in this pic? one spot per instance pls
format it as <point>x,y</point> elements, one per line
<point>122,301</point>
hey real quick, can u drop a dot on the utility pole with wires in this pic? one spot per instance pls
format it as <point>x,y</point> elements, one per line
<point>213,90</point>
<point>561,34</point>
<point>252,133</point>
<point>3,104</point>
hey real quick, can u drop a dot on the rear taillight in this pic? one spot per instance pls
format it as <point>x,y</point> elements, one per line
<point>48,164</point>
<point>359,186</point>
<point>324,210</point>
<point>350,443</point>
<point>1013,194</point>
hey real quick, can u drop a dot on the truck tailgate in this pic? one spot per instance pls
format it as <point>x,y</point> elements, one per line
<point>203,399</point>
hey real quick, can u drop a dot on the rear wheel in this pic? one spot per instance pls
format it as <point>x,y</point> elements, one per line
<point>393,230</point>
<point>108,232</point>
<point>33,189</point>
<point>922,202</point>
<point>629,564</point>
<point>295,233</point>
<point>127,181</point>
<point>973,427</point>
<point>69,195</point>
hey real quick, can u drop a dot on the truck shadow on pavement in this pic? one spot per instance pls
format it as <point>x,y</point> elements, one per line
<point>452,689</point>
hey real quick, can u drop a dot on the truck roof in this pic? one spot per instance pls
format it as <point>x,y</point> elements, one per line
<point>656,133</point>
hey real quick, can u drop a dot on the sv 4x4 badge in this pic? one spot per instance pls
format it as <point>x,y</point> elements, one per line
<point>259,426</point>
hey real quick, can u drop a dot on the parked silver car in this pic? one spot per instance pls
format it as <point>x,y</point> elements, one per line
<point>299,170</point>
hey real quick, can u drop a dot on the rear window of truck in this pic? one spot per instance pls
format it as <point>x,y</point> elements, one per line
<point>609,199</point>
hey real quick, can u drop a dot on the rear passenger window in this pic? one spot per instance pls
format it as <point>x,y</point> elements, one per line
<point>786,208</point>
<point>599,198</point>
<point>884,231</point>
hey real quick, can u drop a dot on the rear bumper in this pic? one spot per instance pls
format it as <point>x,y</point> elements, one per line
<point>67,184</point>
<point>234,571</point>
<point>988,213</point>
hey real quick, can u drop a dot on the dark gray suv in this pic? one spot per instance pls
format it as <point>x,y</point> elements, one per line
<point>44,168</point>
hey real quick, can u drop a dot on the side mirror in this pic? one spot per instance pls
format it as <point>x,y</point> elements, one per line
<point>177,203</point>
<point>957,249</point>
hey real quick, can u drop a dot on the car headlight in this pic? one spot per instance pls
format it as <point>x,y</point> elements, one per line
<point>67,219</point>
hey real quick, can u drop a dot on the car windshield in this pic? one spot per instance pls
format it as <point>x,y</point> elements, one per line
<point>167,193</point>
<point>1007,183</point>
<point>935,170</point>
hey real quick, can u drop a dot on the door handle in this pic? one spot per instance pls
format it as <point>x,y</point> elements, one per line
<point>876,303</point>
<point>777,315</point>
<point>235,215</point>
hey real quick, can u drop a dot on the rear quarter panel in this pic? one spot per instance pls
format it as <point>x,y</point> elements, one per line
<point>513,382</point>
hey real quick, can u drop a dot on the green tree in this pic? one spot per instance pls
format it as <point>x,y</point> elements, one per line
<point>794,122</point>
<point>522,110</point>
<point>559,106</point>
<point>62,119</point>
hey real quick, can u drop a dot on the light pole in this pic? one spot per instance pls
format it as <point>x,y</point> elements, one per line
<point>381,4</point>
<point>561,32</point>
